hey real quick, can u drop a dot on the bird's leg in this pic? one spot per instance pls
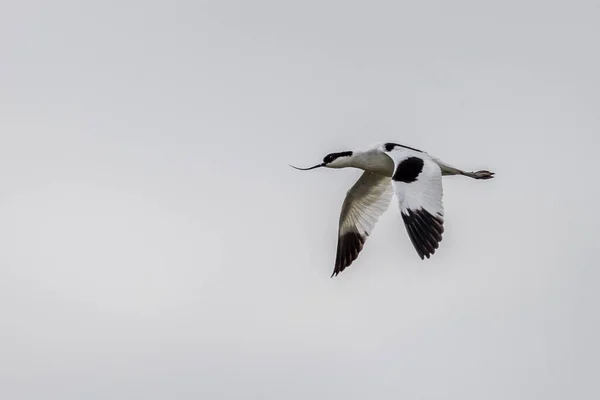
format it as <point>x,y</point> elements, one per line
<point>450,170</point>
<point>483,174</point>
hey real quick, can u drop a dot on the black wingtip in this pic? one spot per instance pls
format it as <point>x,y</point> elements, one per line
<point>424,230</point>
<point>349,246</point>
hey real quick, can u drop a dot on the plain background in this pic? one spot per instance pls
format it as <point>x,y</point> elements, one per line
<point>156,245</point>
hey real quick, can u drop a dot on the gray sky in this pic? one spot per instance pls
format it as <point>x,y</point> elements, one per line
<point>156,245</point>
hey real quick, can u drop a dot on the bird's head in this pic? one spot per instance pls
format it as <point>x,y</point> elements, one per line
<point>332,160</point>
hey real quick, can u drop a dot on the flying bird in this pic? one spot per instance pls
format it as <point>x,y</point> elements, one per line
<point>416,179</point>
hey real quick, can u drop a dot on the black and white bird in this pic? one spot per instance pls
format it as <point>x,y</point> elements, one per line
<point>416,179</point>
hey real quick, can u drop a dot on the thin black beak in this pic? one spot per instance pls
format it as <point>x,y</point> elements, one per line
<point>307,169</point>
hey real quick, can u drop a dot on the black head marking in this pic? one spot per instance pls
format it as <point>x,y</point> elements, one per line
<point>408,170</point>
<point>392,146</point>
<point>330,157</point>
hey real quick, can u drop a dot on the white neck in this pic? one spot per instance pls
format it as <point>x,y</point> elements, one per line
<point>373,161</point>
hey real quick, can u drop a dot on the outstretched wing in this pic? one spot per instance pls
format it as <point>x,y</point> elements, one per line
<point>365,202</point>
<point>417,182</point>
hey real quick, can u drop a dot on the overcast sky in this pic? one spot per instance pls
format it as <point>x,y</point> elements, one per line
<point>155,244</point>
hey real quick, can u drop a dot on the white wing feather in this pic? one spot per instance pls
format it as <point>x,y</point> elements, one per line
<point>417,182</point>
<point>365,202</point>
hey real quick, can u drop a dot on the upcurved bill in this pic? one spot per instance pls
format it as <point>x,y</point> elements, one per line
<point>307,169</point>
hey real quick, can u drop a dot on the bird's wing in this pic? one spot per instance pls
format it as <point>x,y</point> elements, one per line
<point>365,202</point>
<point>417,182</point>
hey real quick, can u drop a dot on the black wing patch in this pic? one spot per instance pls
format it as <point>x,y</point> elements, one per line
<point>391,146</point>
<point>349,245</point>
<point>408,170</point>
<point>425,231</point>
